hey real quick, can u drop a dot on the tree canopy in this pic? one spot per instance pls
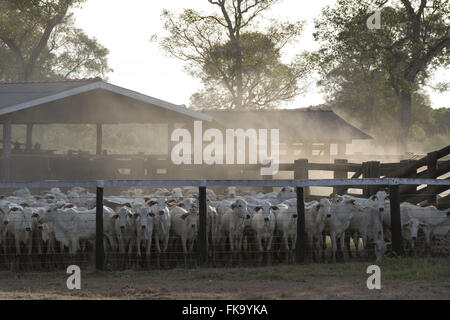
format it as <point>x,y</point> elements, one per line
<point>240,66</point>
<point>391,63</point>
<point>38,40</point>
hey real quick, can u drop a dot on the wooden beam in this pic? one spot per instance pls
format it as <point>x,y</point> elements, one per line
<point>7,138</point>
<point>396,226</point>
<point>29,141</point>
<point>340,174</point>
<point>301,234</point>
<point>99,139</point>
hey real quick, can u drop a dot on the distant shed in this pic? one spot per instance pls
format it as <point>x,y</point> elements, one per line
<point>304,132</point>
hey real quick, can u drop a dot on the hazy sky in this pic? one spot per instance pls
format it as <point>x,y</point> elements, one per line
<point>125,27</point>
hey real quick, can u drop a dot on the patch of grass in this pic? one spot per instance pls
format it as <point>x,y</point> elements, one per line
<point>278,274</point>
<point>429,269</point>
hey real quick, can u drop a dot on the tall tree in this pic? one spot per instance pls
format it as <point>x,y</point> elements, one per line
<point>239,66</point>
<point>414,40</point>
<point>41,37</point>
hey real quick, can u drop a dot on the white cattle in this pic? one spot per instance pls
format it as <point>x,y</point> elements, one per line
<point>184,224</point>
<point>32,215</point>
<point>410,225</point>
<point>177,194</point>
<point>263,223</point>
<point>286,193</point>
<point>161,232</point>
<point>213,227</point>
<point>286,226</point>
<point>338,222</point>
<point>124,230</point>
<point>19,227</point>
<point>232,223</point>
<point>144,225</point>
<point>71,226</point>
<point>231,192</point>
<point>4,220</point>
<point>432,221</point>
<point>316,214</point>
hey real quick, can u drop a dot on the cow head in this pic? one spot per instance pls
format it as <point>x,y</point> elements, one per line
<point>379,200</point>
<point>240,208</point>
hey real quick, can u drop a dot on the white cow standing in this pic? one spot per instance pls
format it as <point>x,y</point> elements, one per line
<point>263,223</point>
<point>232,223</point>
<point>286,226</point>
<point>184,225</point>
<point>162,224</point>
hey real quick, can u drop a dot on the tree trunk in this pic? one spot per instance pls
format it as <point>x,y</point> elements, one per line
<point>405,119</point>
<point>239,89</point>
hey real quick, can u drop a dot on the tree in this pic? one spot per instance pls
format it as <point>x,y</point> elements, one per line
<point>239,66</point>
<point>41,38</point>
<point>413,41</point>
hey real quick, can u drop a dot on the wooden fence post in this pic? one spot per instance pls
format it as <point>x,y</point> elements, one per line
<point>432,158</point>
<point>99,249</point>
<point>370,169</point>
<point>301,172</point>
<point>340,174</point>
<point>396,226</point>
<point>202,232</point>
<point>301,235</point>
<point>267,189</point>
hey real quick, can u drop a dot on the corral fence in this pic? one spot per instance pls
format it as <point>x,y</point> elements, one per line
<point>393,184</point>
<point>432,166</point>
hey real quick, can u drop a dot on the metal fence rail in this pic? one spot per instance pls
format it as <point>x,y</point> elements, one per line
<point>300,185</point>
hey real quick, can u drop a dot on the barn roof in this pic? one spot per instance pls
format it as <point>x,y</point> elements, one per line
<point>21,96</point>
<point>303,124</point>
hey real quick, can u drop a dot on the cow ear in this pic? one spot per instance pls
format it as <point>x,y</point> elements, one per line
<point>318,207</point>
<point>151,203</point>
<point>181,205</point>
<point>283,189</point>
<point>114,217</point>
<point>146,199</point>
<point>257,209</point>
<point>35,215</point>
<point>274,208</point>
<point>373,198</point>
<point>184,216</point>
<point>15,209</point>
<point>448,213</point>
<point>151,214</point>
<point>233,206</point>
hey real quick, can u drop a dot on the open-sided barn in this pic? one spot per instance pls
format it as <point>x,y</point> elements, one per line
<point>303,132</point>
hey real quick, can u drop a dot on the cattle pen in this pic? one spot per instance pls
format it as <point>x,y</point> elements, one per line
<point>204,252</point>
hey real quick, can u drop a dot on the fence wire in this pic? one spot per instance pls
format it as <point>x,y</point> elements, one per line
<point>150,227</point>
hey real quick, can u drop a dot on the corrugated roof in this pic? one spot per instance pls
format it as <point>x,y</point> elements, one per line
<point>23,95</point>
<point>303,124</point>
<point>16,93</point>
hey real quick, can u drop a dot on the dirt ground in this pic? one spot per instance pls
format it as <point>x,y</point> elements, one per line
<point>400,279</point>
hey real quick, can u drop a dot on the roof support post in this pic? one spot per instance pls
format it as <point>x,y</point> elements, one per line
<point>7,138</point>
<point>29,142</point>
<point>6,163</point>
<point>99,139</point>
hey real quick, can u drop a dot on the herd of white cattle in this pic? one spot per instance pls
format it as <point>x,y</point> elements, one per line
<point>142,226</point>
